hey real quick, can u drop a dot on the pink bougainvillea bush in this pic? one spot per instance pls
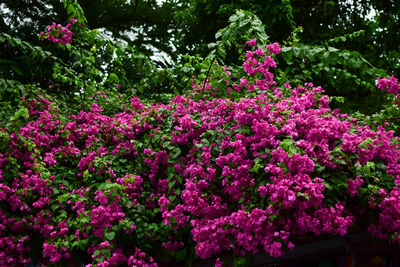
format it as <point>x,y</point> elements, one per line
<point>236,167</point>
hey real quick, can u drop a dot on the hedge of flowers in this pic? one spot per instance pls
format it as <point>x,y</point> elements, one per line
<point>238,165</point>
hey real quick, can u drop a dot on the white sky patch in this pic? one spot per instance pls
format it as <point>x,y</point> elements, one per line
<point>371,14</point>
<point>5,10</point>
<point>159,2</point>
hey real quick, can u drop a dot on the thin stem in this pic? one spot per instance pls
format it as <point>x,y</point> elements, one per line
<point>208,71</point>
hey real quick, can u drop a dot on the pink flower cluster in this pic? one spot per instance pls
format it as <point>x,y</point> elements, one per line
<point>139,259</point>
<point>252,42</point>
<point>57,33</point>
<point>274,48</point>
<point>390,85</point>
<point>353,185</point>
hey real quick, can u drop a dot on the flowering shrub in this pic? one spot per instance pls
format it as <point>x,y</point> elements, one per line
<point>242,164</point>
<point>57,33</point>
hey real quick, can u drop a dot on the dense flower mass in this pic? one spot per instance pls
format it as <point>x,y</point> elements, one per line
<point>220,174</point>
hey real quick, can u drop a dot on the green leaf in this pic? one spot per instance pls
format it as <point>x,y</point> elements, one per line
<point>320,169</point>
<point>205,142</point>
<point>70,10</point>
<point>171,184</point>
<point>17,70</point>
<point>296,51</point>
<point>233,18</point>
<point>362,190</point>
<point>199,145</point>
<point>181,254</point>
<point>257,167</point>
<point>96,253</point>
<point>239,262</point>
<point>106,253</point>
<point>110,235</point>
<point>288,147</point>
<point>370,165</point>
<point>176,152</point>
<point>177,191</point>
<point>328,186</point>
<point>22,112</point>
<point>244,22</point>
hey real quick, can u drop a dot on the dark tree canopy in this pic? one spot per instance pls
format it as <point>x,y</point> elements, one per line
<point>177,27</point>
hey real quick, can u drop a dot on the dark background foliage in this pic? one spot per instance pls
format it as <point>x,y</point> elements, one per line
<point>178,27</point>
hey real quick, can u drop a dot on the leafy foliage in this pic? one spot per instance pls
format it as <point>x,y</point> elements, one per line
<point>345,73</point>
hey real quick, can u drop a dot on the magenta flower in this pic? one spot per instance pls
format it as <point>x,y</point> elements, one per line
<point>53,30</point>
<point>252,42</point>
<point>274,48</point>
<point>353,185</point>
